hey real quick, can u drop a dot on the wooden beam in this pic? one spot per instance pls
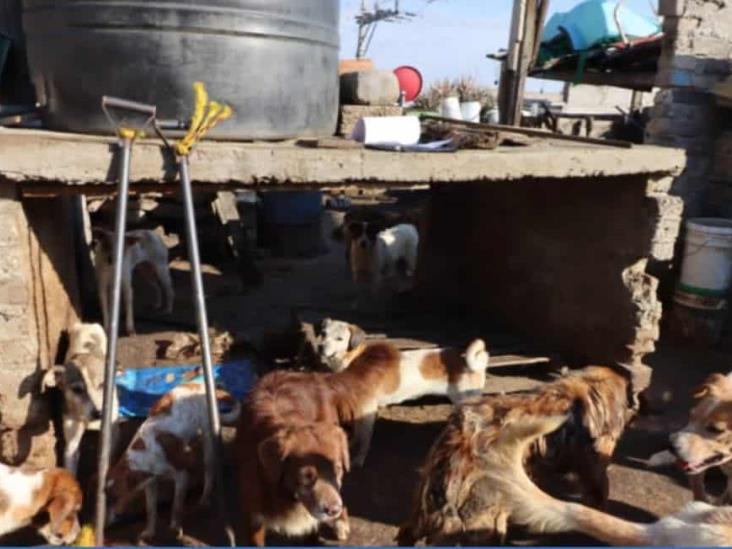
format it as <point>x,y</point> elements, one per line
<point>642,81</point>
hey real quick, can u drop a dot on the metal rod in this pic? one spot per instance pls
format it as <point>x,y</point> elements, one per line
<point>113,331</point>
<point>202,318</point>
<point>128,105</point>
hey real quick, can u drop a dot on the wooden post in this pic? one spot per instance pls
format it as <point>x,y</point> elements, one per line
<point>526,23</point>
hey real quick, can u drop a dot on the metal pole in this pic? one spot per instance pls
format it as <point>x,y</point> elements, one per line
<point>113,331</point>
<point>202,319</point>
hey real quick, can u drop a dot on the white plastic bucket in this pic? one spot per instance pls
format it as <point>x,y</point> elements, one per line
<point>707,264</point>
<point>450,108</point>
<point>470,111</point>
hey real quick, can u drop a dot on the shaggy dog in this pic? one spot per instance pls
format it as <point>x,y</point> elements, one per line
<point>457,500</point>
<point>697,524</point>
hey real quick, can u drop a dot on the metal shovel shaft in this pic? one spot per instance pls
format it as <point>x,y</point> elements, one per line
<point>113,331</point>
<point>202,320</point>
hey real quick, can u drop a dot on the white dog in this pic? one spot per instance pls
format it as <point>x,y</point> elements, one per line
<point>382,261</point>
<point>141,247</point>
<point>81,381</point>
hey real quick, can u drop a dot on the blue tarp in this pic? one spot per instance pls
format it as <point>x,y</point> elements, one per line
<point>592,22</point>
<point>139,389</point>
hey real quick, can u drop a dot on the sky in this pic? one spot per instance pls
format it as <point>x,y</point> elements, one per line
<point>449,38</point>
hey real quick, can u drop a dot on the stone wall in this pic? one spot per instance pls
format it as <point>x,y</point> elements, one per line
<point>697,53</point>
<point>38,302</point>
<point>562,261</point>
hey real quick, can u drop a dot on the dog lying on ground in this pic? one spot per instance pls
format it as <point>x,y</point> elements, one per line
<point>697,524</point>
<point>457,500</point>
<point>161,448</point>
<point>383,261</point>
<point>49,499</point>
<point>81,382</point>
<point>706,441</point>
<point>140,248</point>
<point>291,457</point>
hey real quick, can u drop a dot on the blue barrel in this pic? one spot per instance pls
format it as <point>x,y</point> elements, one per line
<point>292,208</point>
<point>274,61</point>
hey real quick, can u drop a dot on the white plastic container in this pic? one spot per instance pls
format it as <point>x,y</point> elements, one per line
<point>470,111</point>
<point>707,265</point>
<point>450,108</point>
<point>402,130</point>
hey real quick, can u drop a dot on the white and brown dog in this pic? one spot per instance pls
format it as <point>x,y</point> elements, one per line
<point>162,448</point>
<point>48,499</point>
<point>382,262</point>
<point>706,440</point>
<point>697,524</point>
<point>141,248</point>
<point>81,382</point>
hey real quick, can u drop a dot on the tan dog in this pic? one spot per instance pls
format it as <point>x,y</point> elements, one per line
<point>81,383</point>
<point>291,457</point>
<point>457,500</point>
<point>706,441</point>
<point>26,496</point>
<point>697,524</point>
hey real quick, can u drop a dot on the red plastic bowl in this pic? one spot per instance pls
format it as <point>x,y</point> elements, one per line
<point>410,81</point>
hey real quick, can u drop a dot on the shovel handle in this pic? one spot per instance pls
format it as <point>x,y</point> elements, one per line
<point>117,103</point>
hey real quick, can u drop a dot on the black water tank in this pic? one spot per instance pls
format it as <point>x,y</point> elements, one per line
<point>274,61</point>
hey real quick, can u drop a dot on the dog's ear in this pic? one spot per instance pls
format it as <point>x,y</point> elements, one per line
<point>53,377</point>
<point>358,337</point>
<point>272,453</point>
<point>62,512</point>
<point>714,385</point>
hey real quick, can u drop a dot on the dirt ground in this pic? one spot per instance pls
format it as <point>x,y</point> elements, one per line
<point>378,495</point>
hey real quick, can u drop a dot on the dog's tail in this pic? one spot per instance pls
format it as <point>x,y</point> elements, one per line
<point>537,509</point>
<point>477,356</point>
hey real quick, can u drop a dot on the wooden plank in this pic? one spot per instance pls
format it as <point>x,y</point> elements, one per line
<point>641,81</point>
<point>504,361</point>
<point>533,132</point>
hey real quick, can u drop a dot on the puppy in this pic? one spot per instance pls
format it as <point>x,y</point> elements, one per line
<point>141,247</point>
<point>706,441</point>
<point>292,456</point>
<point>161,448</point>
<point>50,499</point>
<point>457,500</point>
<point>697,524</point>
<point>81,382</point>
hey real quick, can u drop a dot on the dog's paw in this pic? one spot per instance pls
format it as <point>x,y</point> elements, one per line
<point>342,529</point>
<point>176,531</point>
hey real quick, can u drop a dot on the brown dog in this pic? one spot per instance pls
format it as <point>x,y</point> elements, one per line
<point>457,501</point>
<point>292,456</point>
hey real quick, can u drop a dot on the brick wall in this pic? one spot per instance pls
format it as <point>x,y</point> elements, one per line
<point>38,302</point>
<point>697,53</point>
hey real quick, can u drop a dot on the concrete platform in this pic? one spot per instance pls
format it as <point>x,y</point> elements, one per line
<point>42,157</point>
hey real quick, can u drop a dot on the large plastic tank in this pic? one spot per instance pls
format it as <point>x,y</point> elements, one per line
<point>274,61</point>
